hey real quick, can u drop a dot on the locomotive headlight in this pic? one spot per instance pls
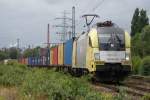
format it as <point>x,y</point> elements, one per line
<point>127,56</point>
<point>96,56</point>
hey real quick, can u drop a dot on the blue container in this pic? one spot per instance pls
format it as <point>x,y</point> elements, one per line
<point>38,61</point>
<point>68,47</point>
<point>33,61</point>
<point>29,60</point>
<point>41,60</point>
<point>48,56</point>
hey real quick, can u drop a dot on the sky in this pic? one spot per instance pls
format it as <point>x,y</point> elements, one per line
<point>28,19</point>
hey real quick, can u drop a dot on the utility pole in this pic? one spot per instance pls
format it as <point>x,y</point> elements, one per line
<point>48,45</point>
<point>48,38</point>
<point>73,21</point>
<point>64,25</point>
<point>18,40</point>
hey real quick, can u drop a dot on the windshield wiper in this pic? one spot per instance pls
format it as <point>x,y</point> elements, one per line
<point>119,40</point>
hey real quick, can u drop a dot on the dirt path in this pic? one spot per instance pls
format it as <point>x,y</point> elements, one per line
<point>8,93</point>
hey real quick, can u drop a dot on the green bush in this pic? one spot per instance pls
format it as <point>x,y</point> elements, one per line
<point>12,75</point>
<point>145,66</point>
<point>136,63</point>
<point>57,86</point>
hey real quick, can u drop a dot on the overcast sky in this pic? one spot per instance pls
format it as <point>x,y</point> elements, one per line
<point>27,19</point>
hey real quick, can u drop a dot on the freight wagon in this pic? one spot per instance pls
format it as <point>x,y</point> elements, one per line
<point>103,51</point>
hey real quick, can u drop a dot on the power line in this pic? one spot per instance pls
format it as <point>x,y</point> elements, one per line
<point>48,36</point>
<point>98,5</point>
<point>73,21</point>
<point>87,6</point>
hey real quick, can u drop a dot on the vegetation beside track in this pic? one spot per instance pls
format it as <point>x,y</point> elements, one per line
<point>23,83</point>
<point>34,83</point>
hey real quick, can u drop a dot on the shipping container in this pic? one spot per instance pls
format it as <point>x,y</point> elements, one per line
<point>61,54</point>
<point>43,52</point>
<point>26,61</point>
<point>20,60</point>
<point>40,61</point>
<point>48,57</point>
<point>51,56</point>
<point>23,60</point>
<point>36,60</point>
<point>68,46</point>
<point>29,60</point>
<point>55,55</point>
<point>33,60</point>
<point>43,60</point>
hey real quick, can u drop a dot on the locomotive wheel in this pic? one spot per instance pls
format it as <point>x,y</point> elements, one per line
<point>76,72</point>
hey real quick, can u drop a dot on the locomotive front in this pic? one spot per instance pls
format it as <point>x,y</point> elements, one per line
<point>112,60</point>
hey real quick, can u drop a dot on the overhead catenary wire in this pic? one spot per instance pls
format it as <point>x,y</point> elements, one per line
<point>98,5</point>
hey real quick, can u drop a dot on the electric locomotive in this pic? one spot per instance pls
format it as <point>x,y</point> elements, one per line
<point>104,50</point>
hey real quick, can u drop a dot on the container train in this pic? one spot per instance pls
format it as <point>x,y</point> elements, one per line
<point>103,51</point>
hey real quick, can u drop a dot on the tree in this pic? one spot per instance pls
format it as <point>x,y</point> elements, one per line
<point>139,21</point>
<point>140,43</point>
<point>143,20</point>
<point>13,53</point>
<point>28,53</point>
<point>136,45</point>
<point>145,40</point>
<point>3,55</point>
<point>31,52</point>
<point>134,23</point>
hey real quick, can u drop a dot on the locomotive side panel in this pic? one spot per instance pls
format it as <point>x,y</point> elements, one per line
<point>81,51</point>
<point>74,57</point>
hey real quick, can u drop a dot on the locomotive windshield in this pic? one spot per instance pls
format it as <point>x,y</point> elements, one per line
<point>111,38</point>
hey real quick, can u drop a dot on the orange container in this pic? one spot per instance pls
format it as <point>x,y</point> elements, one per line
<point>26,61</point>
<point>54,54</point>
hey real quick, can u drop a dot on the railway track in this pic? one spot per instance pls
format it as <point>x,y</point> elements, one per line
<point>139,84</point>
<point>134,86</point>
